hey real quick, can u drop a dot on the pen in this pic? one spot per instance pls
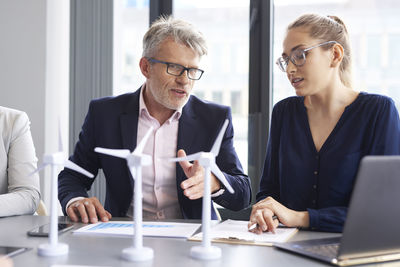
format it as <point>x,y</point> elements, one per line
<point>255,225</point>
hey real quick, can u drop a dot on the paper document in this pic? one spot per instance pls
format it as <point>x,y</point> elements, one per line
<point>58,265</point>
<point>232,231</point>
<point>126,228</point>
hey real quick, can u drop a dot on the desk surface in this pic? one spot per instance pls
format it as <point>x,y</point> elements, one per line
<point>106,251</point>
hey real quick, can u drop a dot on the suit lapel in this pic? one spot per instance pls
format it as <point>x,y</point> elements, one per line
<point>129,122</point>
<point>186,135</point>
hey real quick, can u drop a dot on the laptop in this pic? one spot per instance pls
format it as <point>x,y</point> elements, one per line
<point>372,229</point>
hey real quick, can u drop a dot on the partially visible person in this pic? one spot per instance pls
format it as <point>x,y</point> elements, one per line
<point>318,137</point>
<point>19,192</point>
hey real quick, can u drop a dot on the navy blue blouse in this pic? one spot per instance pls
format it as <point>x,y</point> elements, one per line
<point>301,178</point>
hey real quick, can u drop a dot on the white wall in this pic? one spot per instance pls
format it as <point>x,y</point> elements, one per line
<point>22,61</point>
<point>34,69</point>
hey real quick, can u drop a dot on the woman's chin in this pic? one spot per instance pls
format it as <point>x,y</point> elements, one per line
<point>299,92</point>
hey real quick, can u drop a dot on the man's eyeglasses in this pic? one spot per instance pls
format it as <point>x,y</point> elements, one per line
<point>298,56</point>
<point>178,70</point>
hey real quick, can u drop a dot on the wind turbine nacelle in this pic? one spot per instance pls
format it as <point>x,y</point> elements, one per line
<point>55,158</point>
<point>206,159</point>
<point>138,160</point>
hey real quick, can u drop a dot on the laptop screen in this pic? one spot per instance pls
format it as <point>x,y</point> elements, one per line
<point>372,224</point>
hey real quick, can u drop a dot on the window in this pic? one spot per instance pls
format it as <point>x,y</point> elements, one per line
<point>225,24</point>
<point>236,103</point>
<point>199,94</point>
<point>374,51</point>
<point>217,97</point>
<point>394,51</point>
<point>131,21</point>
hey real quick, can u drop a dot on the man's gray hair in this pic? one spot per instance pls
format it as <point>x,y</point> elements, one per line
<point>178,30</point>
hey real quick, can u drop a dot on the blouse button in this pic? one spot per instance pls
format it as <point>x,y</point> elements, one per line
<point>314,186</point>
<point>315,172</point>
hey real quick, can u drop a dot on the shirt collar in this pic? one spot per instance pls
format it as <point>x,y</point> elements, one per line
<point>143,111</point>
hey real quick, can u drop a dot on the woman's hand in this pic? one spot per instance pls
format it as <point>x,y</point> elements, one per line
<point>262,216</point>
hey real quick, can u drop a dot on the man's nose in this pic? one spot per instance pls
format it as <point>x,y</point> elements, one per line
<point>183,78</point>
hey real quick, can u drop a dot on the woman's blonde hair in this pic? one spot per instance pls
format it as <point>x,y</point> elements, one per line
<point>329,28</point>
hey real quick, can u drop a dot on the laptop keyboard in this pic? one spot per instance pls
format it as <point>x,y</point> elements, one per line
<point>329,250</point>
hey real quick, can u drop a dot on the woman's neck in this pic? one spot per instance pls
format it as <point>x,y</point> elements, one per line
<point>330,100</point>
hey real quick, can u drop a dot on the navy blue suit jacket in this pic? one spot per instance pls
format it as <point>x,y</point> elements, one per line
<point>112,122</point>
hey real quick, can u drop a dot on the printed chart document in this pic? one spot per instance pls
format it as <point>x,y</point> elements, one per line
<point>58,265</point>
<point>232,231</point>
<point>125,229</point>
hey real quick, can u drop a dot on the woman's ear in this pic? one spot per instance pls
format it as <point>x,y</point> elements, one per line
<point>144,65</point>
<point>337,55</point>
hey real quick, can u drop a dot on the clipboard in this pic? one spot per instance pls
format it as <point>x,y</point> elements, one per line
<point>235,232</point>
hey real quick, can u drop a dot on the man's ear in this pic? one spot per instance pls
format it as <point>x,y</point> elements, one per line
<point>337,55</point>
<point>144,65</point>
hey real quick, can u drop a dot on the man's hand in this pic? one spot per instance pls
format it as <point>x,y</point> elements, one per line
<point>193,186</point>
<point>88,209</point>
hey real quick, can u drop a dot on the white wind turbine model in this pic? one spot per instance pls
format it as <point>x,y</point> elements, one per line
<point>53,248</point>
<point>207,160</point>
<point>135,161</point>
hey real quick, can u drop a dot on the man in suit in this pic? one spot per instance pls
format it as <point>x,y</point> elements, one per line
<point>172,50</point>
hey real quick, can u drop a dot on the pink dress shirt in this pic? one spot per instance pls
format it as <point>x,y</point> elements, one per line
<point>160,198</point>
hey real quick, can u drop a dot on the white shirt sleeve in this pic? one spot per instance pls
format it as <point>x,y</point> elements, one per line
<point>72,200</point>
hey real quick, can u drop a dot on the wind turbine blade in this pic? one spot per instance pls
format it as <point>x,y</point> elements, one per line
<point>60,143</point>
<point>120,153</point>
<point>191,157</point>
<point>132,170</point>
<point>218,141</point>
<point>139,148</point>
<point>70,165</point>
<point>217,172</point>
<point>41,167</point>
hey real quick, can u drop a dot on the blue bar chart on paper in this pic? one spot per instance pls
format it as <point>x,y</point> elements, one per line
<point>122,228</point>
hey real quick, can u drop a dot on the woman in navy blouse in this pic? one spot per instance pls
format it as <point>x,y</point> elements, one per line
<point>318,137</point>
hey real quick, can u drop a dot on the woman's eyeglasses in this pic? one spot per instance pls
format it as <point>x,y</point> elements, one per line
<point>297,56</point>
